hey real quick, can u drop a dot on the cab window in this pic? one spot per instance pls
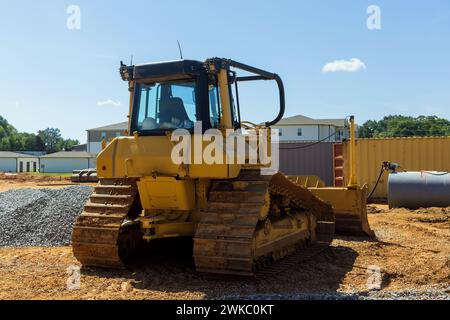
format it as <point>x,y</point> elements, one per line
<point>166,106</point>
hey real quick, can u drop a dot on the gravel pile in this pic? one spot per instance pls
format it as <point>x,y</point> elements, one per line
<point>40,217</point>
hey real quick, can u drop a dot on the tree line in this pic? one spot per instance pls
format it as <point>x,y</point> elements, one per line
<point>404,126</point>
<point>48,140</point>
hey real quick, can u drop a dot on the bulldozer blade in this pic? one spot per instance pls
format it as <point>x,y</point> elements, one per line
<point>350,208</point>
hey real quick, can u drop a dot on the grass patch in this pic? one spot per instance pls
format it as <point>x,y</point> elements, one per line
<point>50,174</point>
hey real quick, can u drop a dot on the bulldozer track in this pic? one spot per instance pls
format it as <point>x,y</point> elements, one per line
<point>106,232</point>
<point>276,269</point>
<point>225,243</point>
<point>226,238</point>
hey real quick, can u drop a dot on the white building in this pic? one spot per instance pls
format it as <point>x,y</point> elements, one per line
<point>67,161</point>
<point>18,162</point>
<point>301,128</point>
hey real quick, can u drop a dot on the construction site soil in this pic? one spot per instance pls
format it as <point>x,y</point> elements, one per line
<point>10,181</point>
<point>411,249</point>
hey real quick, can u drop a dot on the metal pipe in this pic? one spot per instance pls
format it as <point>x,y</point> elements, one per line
<point>353,181</point>
<point>226,121</point>
<point>263,75</point>
<point>130,107</point>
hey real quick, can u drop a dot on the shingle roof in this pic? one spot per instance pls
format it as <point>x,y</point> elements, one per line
<point>302,120</point>
<point>333,122</point>
<point>69,154</point>
<point>9,154</point>
<point>122,126</point>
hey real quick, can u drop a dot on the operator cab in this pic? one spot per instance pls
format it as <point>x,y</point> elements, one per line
<point>174,95</point>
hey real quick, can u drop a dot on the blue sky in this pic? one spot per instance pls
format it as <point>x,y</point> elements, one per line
<point>56,77</point>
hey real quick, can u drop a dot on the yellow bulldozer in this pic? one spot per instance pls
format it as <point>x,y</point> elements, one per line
<point>240,218</point>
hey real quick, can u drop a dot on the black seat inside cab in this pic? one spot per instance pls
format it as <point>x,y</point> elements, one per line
<point>172,108</point>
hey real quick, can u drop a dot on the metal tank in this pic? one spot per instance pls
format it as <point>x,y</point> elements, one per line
<point>419,189</point>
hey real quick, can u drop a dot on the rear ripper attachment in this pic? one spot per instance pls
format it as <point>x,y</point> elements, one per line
<point>253,221</point>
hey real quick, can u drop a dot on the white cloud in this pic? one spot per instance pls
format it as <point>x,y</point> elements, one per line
<point>109,102</point>
<point>352,65</point>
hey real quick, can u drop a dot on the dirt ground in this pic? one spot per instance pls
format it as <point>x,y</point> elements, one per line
<point>411,248</point>
<point>25,181</point>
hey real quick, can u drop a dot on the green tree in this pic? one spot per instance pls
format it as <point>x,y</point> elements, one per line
<point>405,126</point>
<point>67,145</point>
<point>2,132</point>
<point>29,141</point>
<point>4,144</point>
<point>51,137</point>
<point>70,143</point>
<point>48,140</point>
<point>40,145</point>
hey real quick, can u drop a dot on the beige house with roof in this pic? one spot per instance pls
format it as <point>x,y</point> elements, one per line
<point>95,136</point>
<point>301,128</point>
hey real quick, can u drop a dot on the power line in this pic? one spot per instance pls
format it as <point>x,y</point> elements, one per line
<point>311,144</point>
